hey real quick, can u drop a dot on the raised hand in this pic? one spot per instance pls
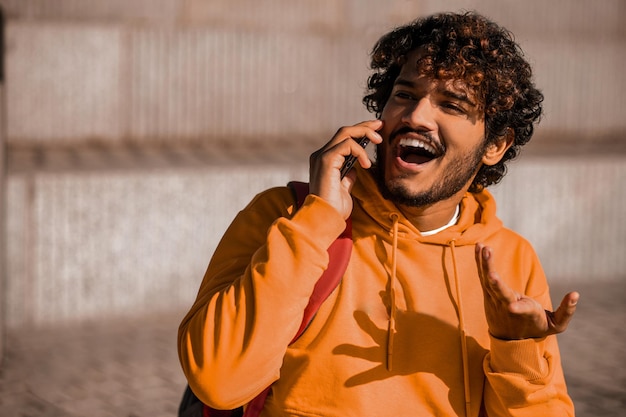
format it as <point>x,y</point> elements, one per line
<point>511,315</point>
<point>325,164</point>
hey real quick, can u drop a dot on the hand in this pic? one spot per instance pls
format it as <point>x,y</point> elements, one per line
<point>325,164</point>
<point>515,316</point>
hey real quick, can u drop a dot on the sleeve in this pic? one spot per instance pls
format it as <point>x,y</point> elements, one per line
<point>251,301</point>
<point>525,377</point>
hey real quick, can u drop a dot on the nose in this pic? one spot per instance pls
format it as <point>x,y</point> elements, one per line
<point>420,115</point>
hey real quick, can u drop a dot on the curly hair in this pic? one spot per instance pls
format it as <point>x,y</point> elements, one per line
<point>475,50</point>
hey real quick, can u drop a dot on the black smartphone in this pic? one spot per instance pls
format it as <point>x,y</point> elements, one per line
<point>351,159</point>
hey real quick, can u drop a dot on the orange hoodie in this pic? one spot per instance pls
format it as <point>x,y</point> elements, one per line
<point>404,333</point>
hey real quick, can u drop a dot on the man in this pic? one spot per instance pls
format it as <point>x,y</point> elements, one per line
<point>442,311</point>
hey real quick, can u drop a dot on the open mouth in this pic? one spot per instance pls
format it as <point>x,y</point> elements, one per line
<point>416,151</point>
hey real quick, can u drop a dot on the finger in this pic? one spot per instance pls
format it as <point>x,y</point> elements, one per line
<point>479,262</point>
<point>563,315</point>
<point>483,268</point>
<point>355,153</point>
<point>482,272</point>
<point>368,128</point>
<point>345,143</point>
<point>496,286</point>
<point>374,124</point>
<point>325,163</point>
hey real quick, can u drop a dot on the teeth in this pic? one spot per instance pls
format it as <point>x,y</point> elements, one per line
<point>416,143</point>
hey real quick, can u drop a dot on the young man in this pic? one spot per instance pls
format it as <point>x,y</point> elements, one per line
<point>442,311</point>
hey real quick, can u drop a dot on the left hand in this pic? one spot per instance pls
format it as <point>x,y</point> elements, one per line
<point>511,315</point>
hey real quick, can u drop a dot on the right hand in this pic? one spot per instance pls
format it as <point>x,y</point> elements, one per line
<point>325,164</point>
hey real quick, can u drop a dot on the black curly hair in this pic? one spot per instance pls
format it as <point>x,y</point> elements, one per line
<point>471,48</point>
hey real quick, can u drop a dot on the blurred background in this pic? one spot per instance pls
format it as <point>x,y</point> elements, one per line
<point>132,131</point>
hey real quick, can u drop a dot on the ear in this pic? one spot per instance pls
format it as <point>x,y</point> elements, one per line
<point>496,150</point>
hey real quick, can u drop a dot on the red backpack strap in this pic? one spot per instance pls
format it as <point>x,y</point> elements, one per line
<point>299,190</point>
<point>339,255</point>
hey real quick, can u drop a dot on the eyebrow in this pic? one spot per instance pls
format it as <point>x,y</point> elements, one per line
<point>460,96</point>
<point>404,82</point>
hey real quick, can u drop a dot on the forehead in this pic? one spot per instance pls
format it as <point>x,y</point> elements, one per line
<point>415,68</point>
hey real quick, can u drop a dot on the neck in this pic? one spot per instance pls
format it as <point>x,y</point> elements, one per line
<point>433,216</point>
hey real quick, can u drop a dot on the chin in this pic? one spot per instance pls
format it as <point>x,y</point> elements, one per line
<point>397,189</point>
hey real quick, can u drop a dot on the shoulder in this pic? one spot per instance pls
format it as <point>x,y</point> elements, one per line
<point>518,261</point>
<point>277,200</point>
<point>252,222</point>
<point>512,241</point>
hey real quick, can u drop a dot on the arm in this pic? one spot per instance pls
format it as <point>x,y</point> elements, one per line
<point>523,367</point>
<point>525,378</point>
<point>251,300</point>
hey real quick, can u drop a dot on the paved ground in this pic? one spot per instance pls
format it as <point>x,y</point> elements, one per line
<point>128,367</point>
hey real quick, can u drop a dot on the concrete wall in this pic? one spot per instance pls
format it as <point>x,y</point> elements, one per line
<point>116,242</point>
<point>136,129</point>
<point>171,70</point>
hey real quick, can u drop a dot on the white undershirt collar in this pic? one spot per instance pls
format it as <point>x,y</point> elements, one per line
<point>452,222</point>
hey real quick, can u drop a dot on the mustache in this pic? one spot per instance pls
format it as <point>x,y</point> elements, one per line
<point>426,135</point>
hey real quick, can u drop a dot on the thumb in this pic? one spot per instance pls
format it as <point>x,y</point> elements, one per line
<point>565,312</point>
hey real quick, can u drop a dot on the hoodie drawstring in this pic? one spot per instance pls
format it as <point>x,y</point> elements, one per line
<point>392,311</point>
<point>464,352</point>
<point>391,330</point>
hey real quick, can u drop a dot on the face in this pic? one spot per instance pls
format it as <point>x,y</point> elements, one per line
<point>434,139</point>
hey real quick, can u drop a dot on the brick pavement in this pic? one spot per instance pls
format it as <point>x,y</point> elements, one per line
<point>128,367</point>
<point>594,348</point>
<point>119,367</point>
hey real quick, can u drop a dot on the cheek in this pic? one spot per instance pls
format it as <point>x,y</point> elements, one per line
<point>390,124</point>
<point>463,134</point>
<point>391,114</point>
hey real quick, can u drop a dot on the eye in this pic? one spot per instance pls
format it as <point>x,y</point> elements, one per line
<point>403,95</point>
<point>453,107</point>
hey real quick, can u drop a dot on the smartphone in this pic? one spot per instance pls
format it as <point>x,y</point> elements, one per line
<point>351,159</point>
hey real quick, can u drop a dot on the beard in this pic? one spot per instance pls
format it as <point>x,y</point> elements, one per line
<point>460,171</point>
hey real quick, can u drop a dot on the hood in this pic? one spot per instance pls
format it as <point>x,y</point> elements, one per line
<point>476,223</point>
